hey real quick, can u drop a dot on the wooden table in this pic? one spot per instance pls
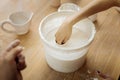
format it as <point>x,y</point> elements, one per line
<point>103,55</point>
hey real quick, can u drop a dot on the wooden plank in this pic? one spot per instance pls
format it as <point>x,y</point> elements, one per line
<point>104,50</point>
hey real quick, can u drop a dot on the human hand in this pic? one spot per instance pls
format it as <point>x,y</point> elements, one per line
<point>104,76</point>
<point>55,3</point>
<point>64,32</point>
<point>12,62</point>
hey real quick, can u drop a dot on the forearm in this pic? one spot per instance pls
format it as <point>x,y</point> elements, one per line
<point>94,7</point>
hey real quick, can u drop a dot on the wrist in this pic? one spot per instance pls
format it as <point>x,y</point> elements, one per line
<point>73,19</point>
<point>70,21</point>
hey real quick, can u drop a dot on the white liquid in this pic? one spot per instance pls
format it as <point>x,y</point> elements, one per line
<point>65,61</point>
<point>77,39</point>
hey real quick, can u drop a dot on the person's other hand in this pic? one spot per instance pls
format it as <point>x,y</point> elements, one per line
<point>64,32</point>
<point>12,62</point>
<point>104,76</point>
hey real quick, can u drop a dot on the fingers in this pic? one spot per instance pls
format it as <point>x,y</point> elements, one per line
<point>104,76</point>
<point>13,45</point>
<point>21,62</point>
<point>63,34</point>
<point>11,55</point>
<point>12,50</point>
<point>61,39</point>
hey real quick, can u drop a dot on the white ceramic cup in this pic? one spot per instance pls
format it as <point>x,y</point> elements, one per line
<point>20,21</point>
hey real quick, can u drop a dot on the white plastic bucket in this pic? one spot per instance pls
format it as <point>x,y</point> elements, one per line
<point>63,58</point>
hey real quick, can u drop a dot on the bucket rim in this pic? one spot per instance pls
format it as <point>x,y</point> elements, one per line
<point>66,49</point>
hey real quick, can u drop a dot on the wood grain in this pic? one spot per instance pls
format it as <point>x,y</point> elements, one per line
<point>103,55</point>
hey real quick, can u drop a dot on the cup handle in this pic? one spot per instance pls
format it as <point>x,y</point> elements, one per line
<point>3,27</point>
<point>69,7</point>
